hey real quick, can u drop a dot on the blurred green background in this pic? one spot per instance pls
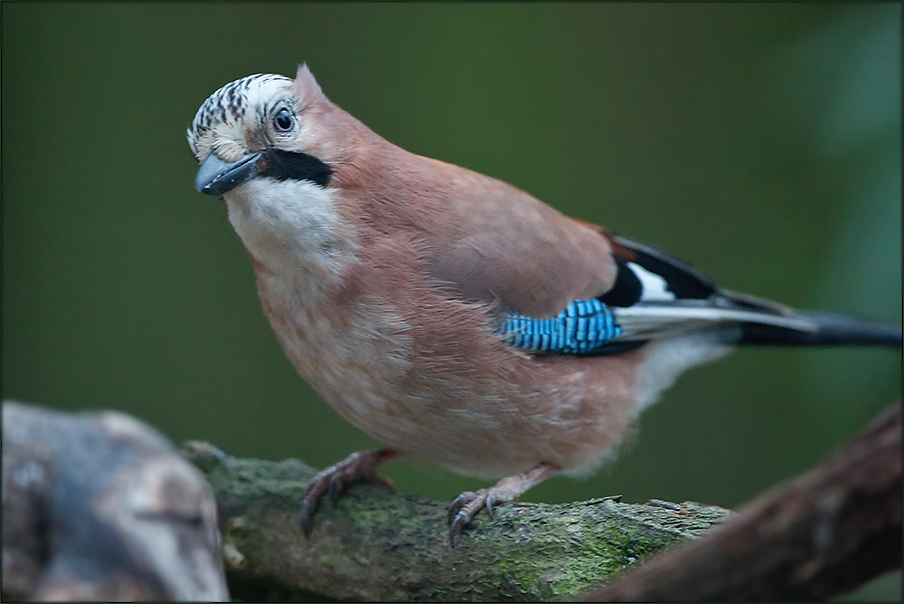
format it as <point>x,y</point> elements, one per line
<point>759,142</point>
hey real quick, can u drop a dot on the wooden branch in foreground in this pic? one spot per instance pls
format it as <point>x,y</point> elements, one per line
<point>378,545</point>
<point>820,536</point>
<point>99,506</point>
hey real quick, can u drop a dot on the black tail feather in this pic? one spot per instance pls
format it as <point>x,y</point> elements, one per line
<point>832,330</point>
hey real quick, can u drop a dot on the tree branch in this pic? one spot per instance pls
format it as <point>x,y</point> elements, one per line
<point>105,489</point>
<point>378,545</point>
<point>822,535</point>
<point>99,506</point>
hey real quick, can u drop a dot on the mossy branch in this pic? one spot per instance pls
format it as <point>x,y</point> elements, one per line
<point>100,507</point>
<point>374,544</point>
<point>816,537</point>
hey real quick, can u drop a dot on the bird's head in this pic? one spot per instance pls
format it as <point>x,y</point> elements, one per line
<point>260,125</point>
<point>277,150</point>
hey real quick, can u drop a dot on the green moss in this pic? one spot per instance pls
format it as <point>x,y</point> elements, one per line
<point>373,542</point>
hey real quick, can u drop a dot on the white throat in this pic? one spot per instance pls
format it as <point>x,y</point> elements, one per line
<point>293,228</point>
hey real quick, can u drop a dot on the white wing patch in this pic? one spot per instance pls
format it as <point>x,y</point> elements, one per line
<point>655,288</point>
<point>655,321</point>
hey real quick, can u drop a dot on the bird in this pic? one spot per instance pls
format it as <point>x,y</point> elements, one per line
<point>452,316</point>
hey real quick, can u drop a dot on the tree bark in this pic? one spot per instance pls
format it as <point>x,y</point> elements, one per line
<point>374,544</point>
<point>77,485</point>
<point>817,537</point>
<point>99,506</point>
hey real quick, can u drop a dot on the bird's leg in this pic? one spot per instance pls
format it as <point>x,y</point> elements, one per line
<point>357,467</point>
<point>508,489</point>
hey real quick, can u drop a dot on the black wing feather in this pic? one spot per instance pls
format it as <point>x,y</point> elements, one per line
<point>680,278</point>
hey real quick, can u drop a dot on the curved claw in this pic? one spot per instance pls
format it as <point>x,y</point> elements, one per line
<point>466,505</point>
<point>488,504</point>
<point>458,503</point>
<point>357,467</point>
<point>456,526</point>
<point>463,509</point>
<point>306,516</point>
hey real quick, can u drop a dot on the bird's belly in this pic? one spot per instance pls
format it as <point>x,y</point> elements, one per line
<point>488,412</point>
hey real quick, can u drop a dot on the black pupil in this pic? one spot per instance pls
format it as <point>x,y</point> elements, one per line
<point>283,120</point>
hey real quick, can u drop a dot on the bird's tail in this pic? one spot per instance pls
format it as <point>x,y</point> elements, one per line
<point>656,296</point>
<point>808,327</point>
<point>826,329</point>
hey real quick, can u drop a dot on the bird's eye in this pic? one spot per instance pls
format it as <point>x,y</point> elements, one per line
<point>283,121</point>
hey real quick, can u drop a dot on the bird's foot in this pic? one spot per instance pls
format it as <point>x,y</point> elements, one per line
<point>357,467</point>
<point>466,505</point>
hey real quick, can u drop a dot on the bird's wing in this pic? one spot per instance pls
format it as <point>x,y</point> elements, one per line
<point>654,296</point>
<point>497,244</point>
<point>565,286</point>
<point>500,245</point>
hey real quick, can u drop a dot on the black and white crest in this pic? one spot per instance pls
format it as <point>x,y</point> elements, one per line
<point>229,103</point>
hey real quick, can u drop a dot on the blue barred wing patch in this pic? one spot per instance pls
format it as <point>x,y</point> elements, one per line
<point>583,326</point>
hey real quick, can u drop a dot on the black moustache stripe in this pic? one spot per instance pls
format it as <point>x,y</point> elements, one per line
<point>288,165</point>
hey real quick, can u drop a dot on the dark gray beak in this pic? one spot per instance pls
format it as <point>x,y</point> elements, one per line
<point>216,176</point>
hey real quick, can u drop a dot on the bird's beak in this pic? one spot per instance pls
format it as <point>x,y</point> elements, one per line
<point>216,176</point>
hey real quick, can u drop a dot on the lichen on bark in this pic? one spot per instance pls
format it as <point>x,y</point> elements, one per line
<point>373,544</point>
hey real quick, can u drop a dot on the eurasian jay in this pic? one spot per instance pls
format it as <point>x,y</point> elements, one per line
<point>452,316</point>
